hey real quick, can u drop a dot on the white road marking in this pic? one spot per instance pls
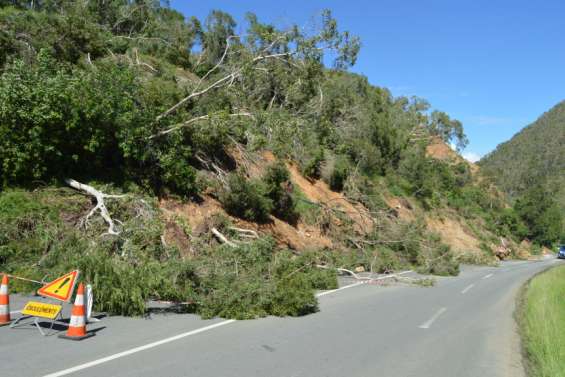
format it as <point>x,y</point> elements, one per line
<point>487,276</point>
<point>393,275</point>
<point>138,349</point>
<point>174,338</point>
<point>467,289</point>
<point>361,282</point>
<point>339,289</point>
<point>428,323</point>
<point>15,311</point>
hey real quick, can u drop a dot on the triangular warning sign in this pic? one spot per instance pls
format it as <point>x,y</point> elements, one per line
<point>60,288</point>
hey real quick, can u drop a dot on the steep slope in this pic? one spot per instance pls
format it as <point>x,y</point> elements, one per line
<point>535,154</point>
<point>208,216</point>
<point>531,169</point>
<point>439,150</point>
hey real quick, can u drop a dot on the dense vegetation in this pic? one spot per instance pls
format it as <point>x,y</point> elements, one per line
<point>544,340</point>
<point>530,168</point>
<point>132,97</point>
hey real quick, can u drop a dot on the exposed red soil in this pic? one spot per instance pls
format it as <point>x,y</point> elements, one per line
<point>318,191</point>
<point>198,215</point>
<point>402,207</point>
<point>438,149</point>
<point>454,234</point>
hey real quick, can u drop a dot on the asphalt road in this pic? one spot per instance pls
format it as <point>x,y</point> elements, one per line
<point>463,326</point>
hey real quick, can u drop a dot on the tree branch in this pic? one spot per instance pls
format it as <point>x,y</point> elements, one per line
<point>222,238</point>
<point>100,205</point>
<point>194,120</point>
<point>219,82</point>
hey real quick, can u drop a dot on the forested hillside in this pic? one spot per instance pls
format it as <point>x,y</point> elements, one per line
<point>122,123</point>
<point>531,169</point>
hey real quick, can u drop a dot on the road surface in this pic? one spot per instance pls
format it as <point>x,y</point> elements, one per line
<point>462,327</point>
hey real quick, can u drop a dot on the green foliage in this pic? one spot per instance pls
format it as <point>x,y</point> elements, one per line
<point>68,121</point>
<point>542,216</point>
<point>278,189</point>
<point>509,222</point>
<point>87,91</point>
<point>534,156</point>
<point>253,281</point>
<point>255,200</point>
<point>177,173</point>
<point>246,199</point>
<point>24,228</point>
<point>335,171</point>
<point>432,181</point>
<point>447,129</point>
<point>39,230</point>
<point>385,260</point>
<point>533,160</point>
<point>312,167</point>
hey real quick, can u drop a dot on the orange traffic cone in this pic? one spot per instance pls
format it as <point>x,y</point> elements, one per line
<point>4,302</point>
<point>77,324</point>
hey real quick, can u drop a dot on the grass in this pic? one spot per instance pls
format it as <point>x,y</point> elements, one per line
<point>541,322</point>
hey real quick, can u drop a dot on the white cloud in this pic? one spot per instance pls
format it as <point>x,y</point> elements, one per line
<point>471,156</point>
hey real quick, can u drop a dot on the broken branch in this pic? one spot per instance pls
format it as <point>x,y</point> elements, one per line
<point>100,205</point>
<point>247,232</point>
<point>194,120</point>
<point>222,238</point>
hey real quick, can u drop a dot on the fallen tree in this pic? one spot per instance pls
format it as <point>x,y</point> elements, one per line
<point>100,205</point>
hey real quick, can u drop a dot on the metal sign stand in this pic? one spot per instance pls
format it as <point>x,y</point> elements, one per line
<point>58,320</point>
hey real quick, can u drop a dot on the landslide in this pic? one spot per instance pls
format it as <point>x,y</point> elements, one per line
<point>231,175</point>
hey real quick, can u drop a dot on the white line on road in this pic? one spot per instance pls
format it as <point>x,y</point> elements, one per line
<point>339,289</point>
<point>467,289</point>
<point>487,276</point>
<point>427,324</point>
<point>15,311</point>
<point>362,282</point>
<point>172,339</point>
<point>393,275</point>
<point>138,349</point>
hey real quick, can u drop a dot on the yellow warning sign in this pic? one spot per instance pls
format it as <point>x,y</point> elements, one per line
<point>60,288</point>
<point>41,309</point>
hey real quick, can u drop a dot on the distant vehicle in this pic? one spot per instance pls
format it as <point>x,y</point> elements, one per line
<point>561,252</point>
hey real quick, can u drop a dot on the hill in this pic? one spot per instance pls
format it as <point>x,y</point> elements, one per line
<point>535,154</point>
<point>530,168</point>
<point>170,158</point>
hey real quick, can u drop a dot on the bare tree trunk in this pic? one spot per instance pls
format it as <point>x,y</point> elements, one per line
<point>222,238</point>
<point>100,205</point>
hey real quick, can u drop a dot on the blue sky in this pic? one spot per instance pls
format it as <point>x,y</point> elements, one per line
<point>495,65</point>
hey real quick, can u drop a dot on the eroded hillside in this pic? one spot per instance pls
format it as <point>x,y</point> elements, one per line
<point>169,158</point>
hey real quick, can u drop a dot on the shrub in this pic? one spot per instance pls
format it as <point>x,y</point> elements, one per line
<point>246,199</point>
<point>312,167</point>
<point>385,260</point>
<point>254,280</point>
<point>177,174</point>
<point>438,260</point>
<point>335,171</point>
<point>278,189</point>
